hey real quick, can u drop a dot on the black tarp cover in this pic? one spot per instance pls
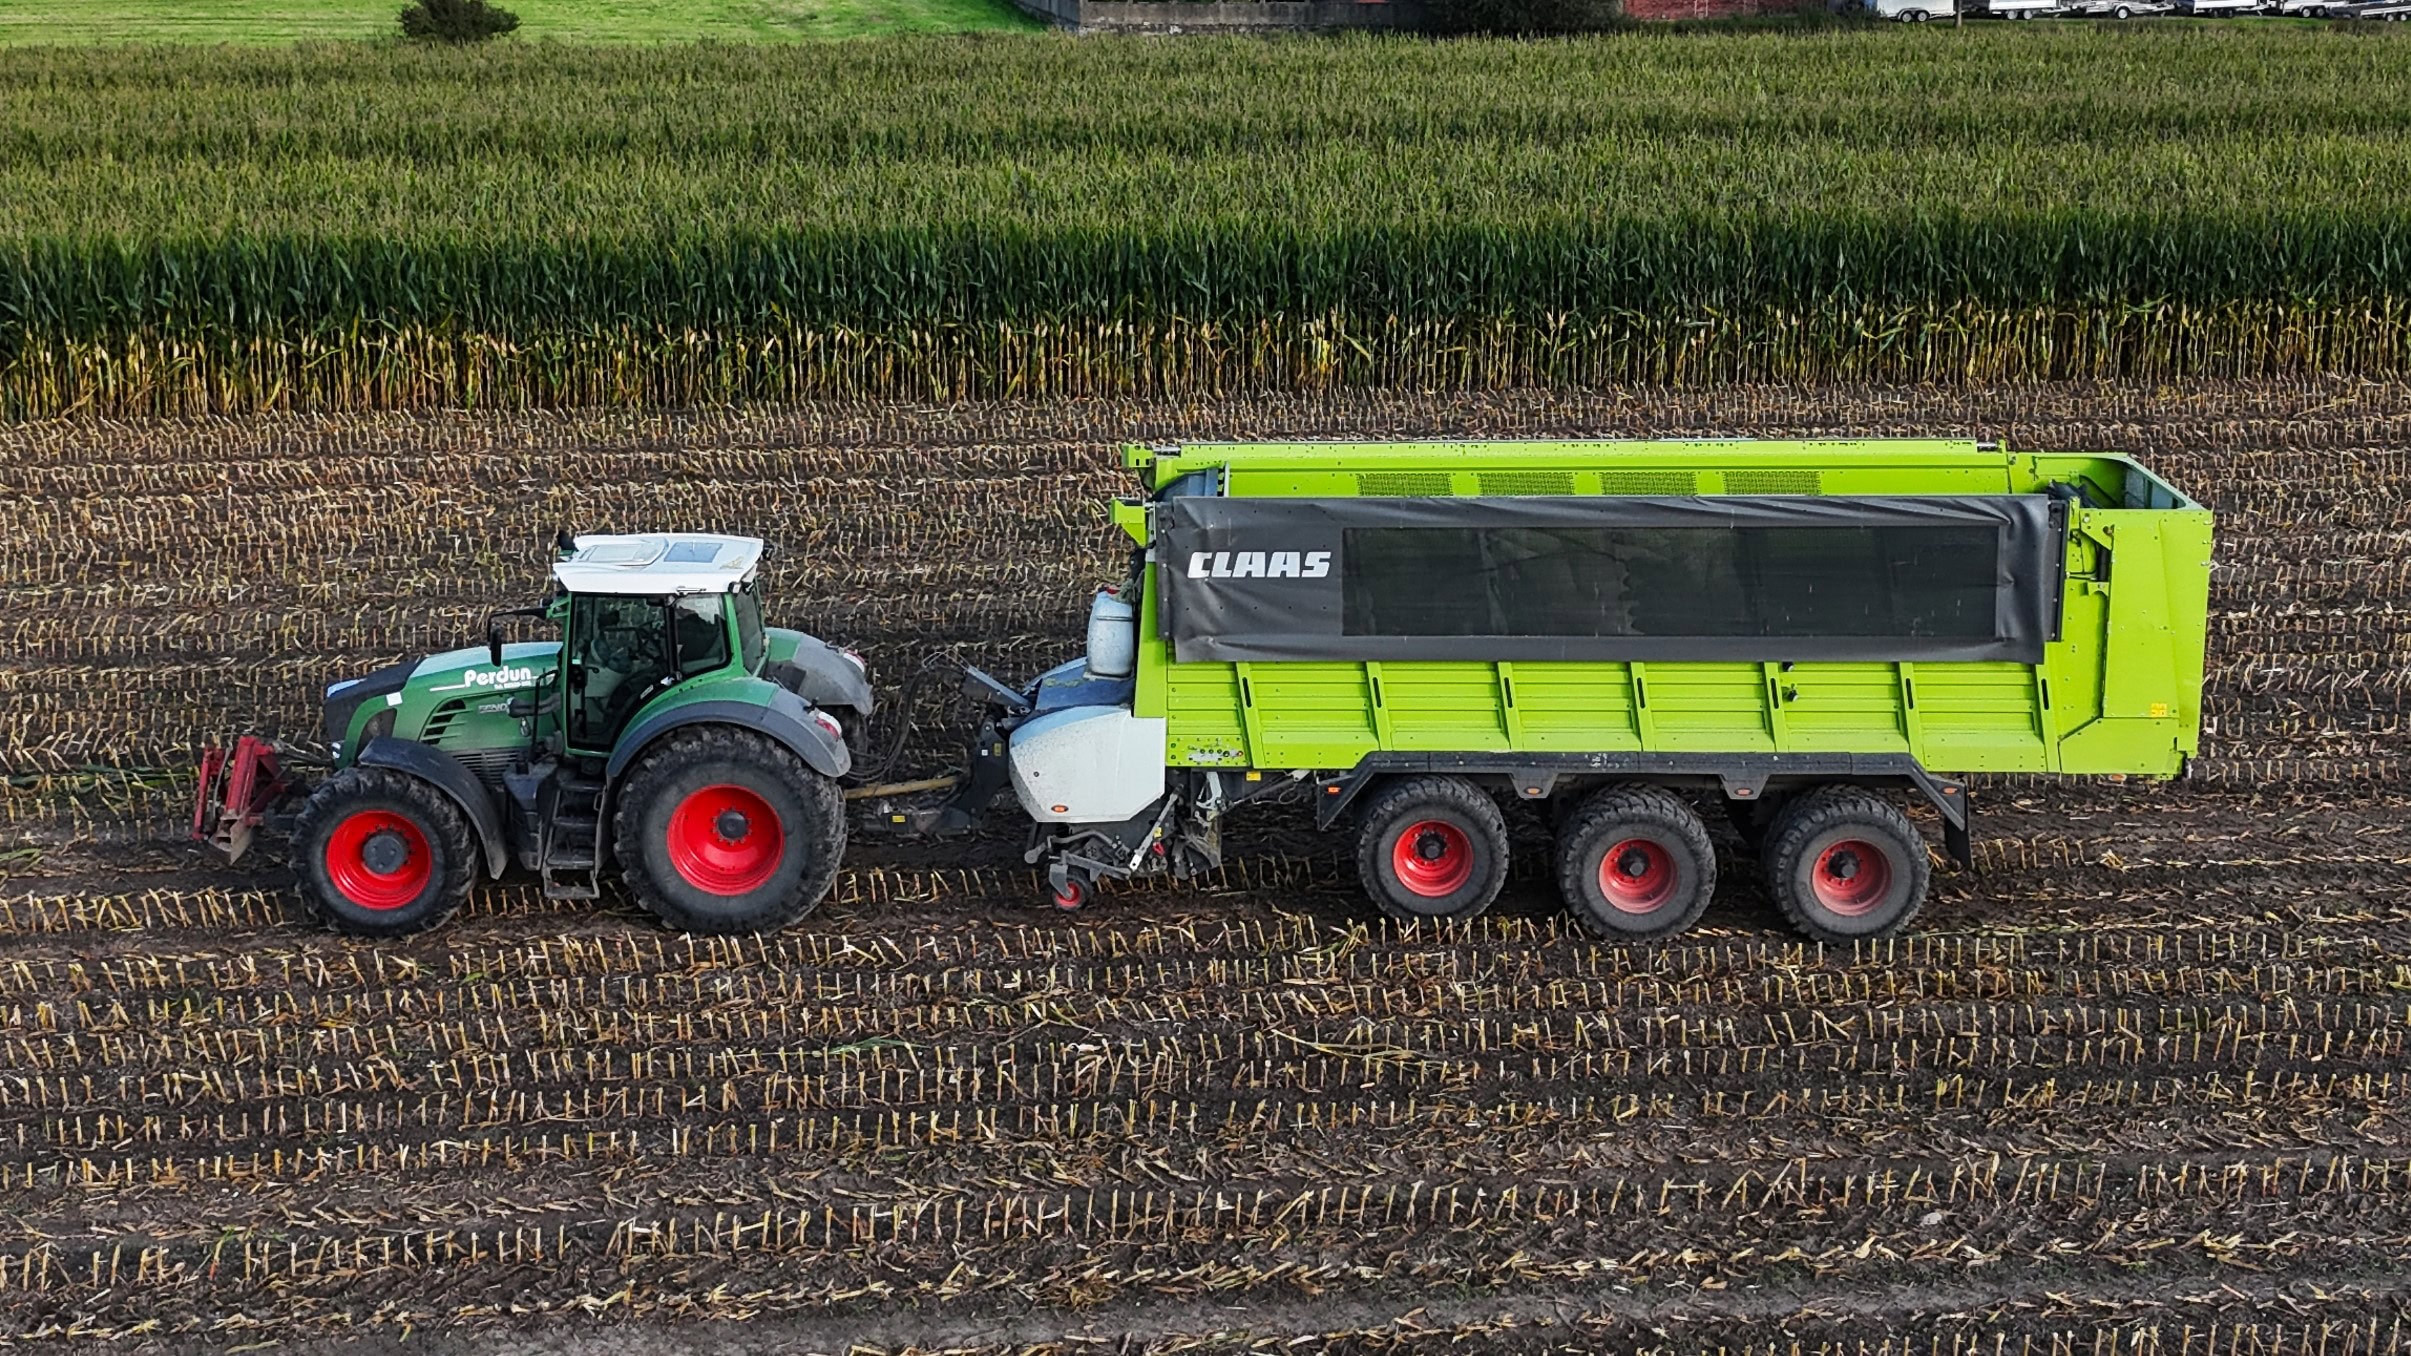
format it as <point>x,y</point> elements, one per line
<point>1876,577</point>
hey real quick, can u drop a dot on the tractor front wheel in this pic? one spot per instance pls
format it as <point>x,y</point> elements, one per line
<point>1432,847</point>
<point>381,853</point>
<point>722,830</point>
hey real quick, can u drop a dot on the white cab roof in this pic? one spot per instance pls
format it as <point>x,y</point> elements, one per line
<point>659,563</point>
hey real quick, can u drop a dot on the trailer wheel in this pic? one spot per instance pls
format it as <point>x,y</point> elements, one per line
<point>721,830</point>
<point>1432,847</point>
<point>381,853</point>
<point>1635,864</point>
<point>1845,864</point>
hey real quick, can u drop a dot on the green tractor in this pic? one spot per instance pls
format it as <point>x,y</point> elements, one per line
<point>667,730</point>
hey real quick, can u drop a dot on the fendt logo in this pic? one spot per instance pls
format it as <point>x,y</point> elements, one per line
<point>1259,564</point>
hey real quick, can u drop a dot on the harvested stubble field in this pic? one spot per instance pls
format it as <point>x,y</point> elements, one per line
<point>2136,1086</point>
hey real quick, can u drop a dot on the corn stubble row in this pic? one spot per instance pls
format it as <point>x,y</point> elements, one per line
<point>2087,1134</point>
<point>2136,1088</point>
<point>225,230</point>
<point>182,580</point>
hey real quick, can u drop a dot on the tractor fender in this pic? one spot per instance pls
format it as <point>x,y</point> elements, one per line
<point>820,675</point>
<point>785,717</point>
<point>448,775</point>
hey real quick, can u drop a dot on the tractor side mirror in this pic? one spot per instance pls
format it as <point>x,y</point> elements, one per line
<point>494,622</point>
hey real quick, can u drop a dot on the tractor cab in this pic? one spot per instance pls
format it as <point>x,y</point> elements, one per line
<point>642,615</point>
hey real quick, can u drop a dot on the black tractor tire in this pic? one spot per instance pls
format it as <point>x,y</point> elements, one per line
<point>724,831</point>
<point>1635,864</point>
<point>1431,848</point>
<point>381,853</point>
<point>1844,864</point>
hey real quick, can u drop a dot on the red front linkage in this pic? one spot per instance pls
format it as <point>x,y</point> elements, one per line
<point>236,790</point>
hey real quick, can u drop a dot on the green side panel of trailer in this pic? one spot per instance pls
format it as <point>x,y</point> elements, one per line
<point>2119,690</point>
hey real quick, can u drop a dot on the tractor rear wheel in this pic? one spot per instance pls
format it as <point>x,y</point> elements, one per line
<point>381,853</point>
<point>1845,864</point>
<point>1432,847</point>
<point>722,830</point>
<point>1635,864</point>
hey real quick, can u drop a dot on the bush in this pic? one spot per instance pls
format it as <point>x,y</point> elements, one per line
<point>1506,17</point>
<point>456,21</point>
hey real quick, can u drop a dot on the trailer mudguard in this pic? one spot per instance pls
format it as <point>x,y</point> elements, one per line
<point>785,717</point>
<point>450,776</point>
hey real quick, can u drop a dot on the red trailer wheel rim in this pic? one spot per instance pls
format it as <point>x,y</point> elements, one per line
<point>362,860</point>
<point>1433,858</point>
<point>1637,876</point>
<point>1851,877</point>
<point>726,840</point>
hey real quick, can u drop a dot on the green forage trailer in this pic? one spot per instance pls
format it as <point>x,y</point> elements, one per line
<point>1419,635</point>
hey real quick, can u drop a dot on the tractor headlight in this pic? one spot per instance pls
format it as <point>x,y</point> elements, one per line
<point>853,659</point>
<point>379,726</point>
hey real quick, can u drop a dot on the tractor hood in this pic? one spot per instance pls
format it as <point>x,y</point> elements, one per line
<point>473,670</point>
<point>436,678</point>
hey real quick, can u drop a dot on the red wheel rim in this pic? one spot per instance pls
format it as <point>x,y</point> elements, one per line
<point>379,859</point>
<point>1851,877</point>
<point>1637,876</point>
<point>726,840</point>
<point>1432,858</point>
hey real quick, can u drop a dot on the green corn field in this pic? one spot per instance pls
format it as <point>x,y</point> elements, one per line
<point>216,229</point>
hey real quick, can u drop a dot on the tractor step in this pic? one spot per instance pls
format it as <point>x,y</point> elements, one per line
<point>569,836</point>
<point>570,881</point>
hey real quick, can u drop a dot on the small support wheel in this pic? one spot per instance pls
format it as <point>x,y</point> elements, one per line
<point>1432,847</point>
<point>721,830</point>
<point>1068,886</point>
<point>381,853</point>
<point>1635,864</point>
<point>1845,864</point>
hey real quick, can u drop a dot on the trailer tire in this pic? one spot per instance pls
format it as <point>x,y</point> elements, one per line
<point>1635,864</point>
<point>381,853</point>
<point>725,831</point>
<point>1845,864</point>
<point>1431,848</point>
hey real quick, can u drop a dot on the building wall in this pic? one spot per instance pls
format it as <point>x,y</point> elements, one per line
<point>1702,9</point>
<point>1202,16</point>
<point>1207,16</point>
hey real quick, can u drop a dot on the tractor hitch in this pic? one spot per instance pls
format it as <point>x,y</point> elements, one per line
<point>238,788</point>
